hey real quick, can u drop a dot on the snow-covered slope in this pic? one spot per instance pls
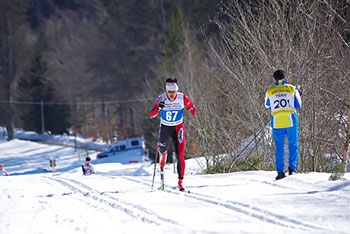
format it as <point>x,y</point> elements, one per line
<point>119,199</point>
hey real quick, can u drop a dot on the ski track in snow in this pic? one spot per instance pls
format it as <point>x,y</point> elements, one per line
<point>148,216</point>
<point>96,197</point>
<point>122,196</point>
<point>246,209</point>
<point>131,209</point>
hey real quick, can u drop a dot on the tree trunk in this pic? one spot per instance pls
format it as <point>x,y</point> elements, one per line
<point>9,123</point>
<point>347,144</point>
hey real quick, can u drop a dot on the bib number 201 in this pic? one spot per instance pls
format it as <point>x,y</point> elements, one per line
<point>171,115</point>
<point>281,103</point>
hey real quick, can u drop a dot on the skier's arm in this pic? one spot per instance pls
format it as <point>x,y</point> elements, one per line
<point>297,99</point>
<point>189,105</point>
<point>155,110</point>
<point>267,101</point>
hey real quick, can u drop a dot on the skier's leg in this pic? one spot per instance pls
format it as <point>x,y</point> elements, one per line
<point>164,135</point>
<point>180,142</point>
<point>180,166</point>
<point>163,144</point>
<point>279,136</point>
<point>292,136</point>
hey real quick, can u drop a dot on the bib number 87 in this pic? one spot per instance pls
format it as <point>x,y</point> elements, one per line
<point>171,115</point>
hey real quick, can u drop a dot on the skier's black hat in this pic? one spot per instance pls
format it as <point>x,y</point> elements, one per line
<point>171,80</point>
<point>279,75</point>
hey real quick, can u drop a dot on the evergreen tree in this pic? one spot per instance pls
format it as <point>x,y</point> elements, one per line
<point>14,55</point>
<point>174,39</point>
<point>35,87</point>
<point>199,14</point>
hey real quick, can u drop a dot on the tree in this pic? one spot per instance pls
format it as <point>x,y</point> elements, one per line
<point>35,87</point>
<point>15,45</point>
<point>305,38</point>
<point>102,52</point>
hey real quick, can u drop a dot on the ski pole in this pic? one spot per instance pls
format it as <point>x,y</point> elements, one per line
<point>155,163</point>
<point>156,158</point>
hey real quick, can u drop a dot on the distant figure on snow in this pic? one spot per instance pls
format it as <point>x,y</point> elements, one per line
<point>88,169</point>
<point>283,99</point>
<point>3,171</point>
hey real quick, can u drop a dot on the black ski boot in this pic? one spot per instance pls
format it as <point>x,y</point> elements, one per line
<point>280,175</point>
<point>291,171</point>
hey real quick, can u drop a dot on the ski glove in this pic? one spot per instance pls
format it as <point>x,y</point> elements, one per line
<point>161,105</point>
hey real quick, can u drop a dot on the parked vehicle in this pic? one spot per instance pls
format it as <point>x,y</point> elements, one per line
<point>130,150</point>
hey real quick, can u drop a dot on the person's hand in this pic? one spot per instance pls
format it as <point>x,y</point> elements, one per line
<point>300,92</point>
<point>161,105</point>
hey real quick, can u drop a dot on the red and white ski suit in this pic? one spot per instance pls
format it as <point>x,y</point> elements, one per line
<point>88,169</point>
<point>171,119</point>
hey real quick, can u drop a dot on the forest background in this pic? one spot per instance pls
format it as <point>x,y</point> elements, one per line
<point>94,67</point>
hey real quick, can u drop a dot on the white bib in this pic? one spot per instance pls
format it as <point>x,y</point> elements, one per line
<point>172,113</point>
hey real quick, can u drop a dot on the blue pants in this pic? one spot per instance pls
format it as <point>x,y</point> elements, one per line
<point>279,136</point>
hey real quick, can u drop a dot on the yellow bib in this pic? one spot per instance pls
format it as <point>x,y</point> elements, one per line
<point>282,105</point>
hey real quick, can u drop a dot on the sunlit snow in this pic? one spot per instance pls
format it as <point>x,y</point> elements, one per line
<point>119,198</point>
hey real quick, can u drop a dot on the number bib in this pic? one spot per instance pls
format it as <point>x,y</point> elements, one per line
<point>282,105</point>
<point>172,113</point>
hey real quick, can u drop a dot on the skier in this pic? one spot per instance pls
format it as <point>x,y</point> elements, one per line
<point>88,169</point>
<point>170,105</point>
<point>283,99</point>
<point>3,171</point>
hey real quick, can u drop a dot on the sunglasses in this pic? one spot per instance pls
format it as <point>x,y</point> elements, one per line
<point>171,91</point>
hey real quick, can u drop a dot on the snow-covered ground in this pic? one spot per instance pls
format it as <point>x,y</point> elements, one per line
<point>70,140</point>
<point>119,198</point>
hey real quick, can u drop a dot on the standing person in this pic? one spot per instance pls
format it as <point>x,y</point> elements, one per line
<point>3,172</point>
<point>283,99</point>
<point>88,169</point>
<point>170,105</point>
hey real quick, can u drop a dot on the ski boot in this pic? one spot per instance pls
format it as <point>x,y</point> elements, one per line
<point>291,171</point>
<point>280,175</point>
<point>163,157</point>
<point>162,162</point>
<point>180,186</point>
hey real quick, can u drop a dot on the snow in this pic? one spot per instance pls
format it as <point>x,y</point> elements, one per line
<point>119,198</point>
<point>71,140</point>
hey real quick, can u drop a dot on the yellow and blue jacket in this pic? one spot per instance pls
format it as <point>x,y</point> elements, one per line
<point>283,99</point>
